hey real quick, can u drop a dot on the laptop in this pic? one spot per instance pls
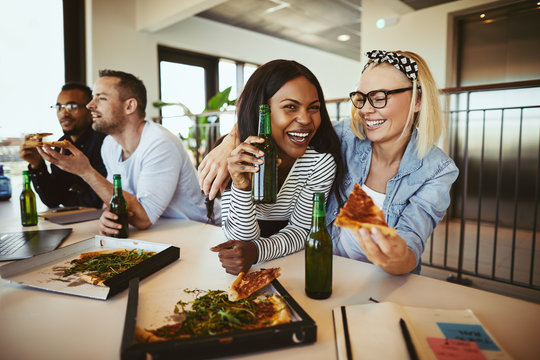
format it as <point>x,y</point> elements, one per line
<point>24,244</point>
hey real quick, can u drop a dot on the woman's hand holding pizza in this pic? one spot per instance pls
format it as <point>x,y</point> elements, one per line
<point>243,161</point>
<point>390,252</point>
<point>75,163</point>
<point>236,255</point>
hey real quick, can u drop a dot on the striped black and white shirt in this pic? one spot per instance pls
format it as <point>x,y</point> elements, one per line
<point>311,173</point>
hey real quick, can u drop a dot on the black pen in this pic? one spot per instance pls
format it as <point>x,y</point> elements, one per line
<point>407,336</point>
<point>346,333</point>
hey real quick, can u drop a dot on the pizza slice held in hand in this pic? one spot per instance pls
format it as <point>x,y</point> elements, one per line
<point>246,284</point>
<point>34,140</point>
<point>361,212</point>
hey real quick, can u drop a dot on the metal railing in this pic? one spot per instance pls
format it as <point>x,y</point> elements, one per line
<point>494,210</point>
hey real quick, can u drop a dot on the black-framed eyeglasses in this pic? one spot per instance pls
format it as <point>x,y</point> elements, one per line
<point>69,107</point>
<point>377,98</point>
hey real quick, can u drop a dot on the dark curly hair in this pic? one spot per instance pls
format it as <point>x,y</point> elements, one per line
<point>72,85</point>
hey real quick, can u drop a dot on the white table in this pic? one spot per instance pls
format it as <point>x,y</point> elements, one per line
<point>37,324</point>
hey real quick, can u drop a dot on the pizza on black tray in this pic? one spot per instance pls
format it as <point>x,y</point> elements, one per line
<point>218,311</point>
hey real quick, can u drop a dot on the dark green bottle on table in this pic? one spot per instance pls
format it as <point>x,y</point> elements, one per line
<point>28,203</point>
<point>318,253</point>
<point>264,182</point>
<point>118,206</point>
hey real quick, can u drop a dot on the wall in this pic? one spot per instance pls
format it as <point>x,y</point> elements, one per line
<point>428,32</point>
<point>114,42</point>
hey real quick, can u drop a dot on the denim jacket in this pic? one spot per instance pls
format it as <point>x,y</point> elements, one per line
<point>416,197</point>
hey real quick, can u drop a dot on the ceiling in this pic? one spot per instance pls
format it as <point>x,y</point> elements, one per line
<point>315,23</point>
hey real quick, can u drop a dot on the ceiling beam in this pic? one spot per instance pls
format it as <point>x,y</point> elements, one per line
<point>154,15</point>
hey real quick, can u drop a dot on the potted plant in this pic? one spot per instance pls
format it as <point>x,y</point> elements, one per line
<point>205,129</point>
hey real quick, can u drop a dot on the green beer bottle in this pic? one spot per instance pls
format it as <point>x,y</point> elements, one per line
<point>28,203</point>
<point>264,182</point>
<point>118,206</point>
<point>318,253</point>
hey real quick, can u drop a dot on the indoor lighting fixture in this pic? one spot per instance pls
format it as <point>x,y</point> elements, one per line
<point>280,5</point>
<point>382,23</point>
<point>482,16</point>
<point>343,37</point>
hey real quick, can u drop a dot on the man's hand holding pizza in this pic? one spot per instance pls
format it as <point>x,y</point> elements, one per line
<point>390,252</point>
<point>30,155</point>
<point>75,163</point>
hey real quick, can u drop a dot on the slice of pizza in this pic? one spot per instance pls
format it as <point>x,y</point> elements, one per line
<point>34,140</point>
<point>361,212</point>
<point>246,284</point>
<point>61,144</point>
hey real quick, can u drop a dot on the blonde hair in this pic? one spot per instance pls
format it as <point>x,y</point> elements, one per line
<point>428,120</point>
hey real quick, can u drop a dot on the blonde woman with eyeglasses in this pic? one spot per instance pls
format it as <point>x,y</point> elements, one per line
<point>389,148</point>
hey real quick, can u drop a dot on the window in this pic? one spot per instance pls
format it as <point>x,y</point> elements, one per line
<point>32,73</point>
<point>234,74</point>
<point>192,79</point>
<point>28,90</point>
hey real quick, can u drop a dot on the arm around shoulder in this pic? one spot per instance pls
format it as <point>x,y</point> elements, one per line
<point>213,172</point>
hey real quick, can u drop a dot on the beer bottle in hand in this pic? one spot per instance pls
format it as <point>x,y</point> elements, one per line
<point>28,203</point>
<point>264,182</point>
<point>318,253</point>
<point>118,206</point>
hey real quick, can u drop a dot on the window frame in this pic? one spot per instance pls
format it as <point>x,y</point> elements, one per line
<point>74,40</point>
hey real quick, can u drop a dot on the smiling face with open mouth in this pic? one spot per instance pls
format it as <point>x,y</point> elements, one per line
<point>107,107</point>
<point>295,115</point>
<point>387,123</point>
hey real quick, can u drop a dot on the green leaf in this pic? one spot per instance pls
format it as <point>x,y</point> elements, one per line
<point>218,100</point>
<point>159,104</point>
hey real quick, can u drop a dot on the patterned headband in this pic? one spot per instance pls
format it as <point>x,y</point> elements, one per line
<point>402,63</point>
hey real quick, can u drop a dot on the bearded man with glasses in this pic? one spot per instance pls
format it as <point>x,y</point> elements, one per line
<point>57,187</point>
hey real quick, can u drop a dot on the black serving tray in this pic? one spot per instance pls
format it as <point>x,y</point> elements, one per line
<point>301,330</point>
<point>38,271</point>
